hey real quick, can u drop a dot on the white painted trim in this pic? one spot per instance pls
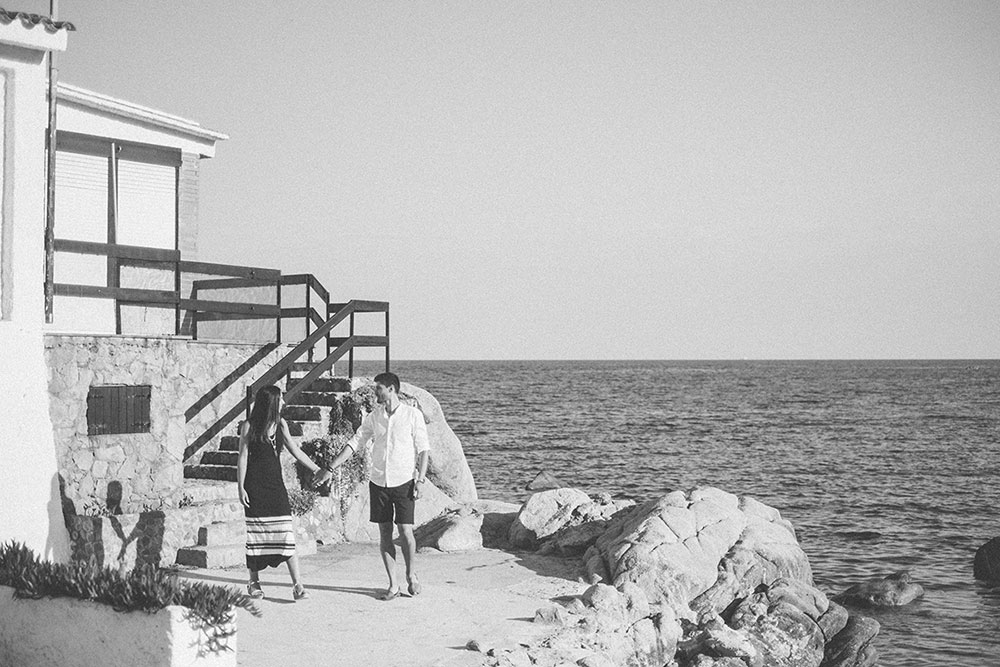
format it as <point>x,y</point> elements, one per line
<point>117,107</point>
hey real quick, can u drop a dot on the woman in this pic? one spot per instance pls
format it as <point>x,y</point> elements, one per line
<point>270,538</point>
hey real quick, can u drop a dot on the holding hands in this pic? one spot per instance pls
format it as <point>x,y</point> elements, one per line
<point>321,477</point>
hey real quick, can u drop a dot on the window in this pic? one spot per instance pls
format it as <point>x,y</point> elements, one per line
<point>118,408</point>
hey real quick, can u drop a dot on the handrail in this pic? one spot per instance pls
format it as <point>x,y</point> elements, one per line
<point>282,366</point>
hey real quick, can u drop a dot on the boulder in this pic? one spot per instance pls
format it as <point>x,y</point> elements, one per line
<point>447,466</point>
<point>685,545</point>
<point>455,530</point>
<point>894,590</point>
<point>497,518</point>
<point>781,621</point>
<point>986,566</point>
<point>543,514</point>
<point>853,646</point>
<point>544,481</point>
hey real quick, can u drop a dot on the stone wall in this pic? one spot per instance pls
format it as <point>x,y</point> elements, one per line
<point>144,469</point>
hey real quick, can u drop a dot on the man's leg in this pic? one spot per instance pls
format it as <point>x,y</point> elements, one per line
<point>409,556</point>
<point>388,550</point>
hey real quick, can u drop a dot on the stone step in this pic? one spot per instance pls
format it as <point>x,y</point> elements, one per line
<point>303,413</point>
<point>229,443</point>
<point>330,384</point>
<point>305,398</point>
<point>205,491</point>
<point>220,458</point>
<point>308,430</point>
<point>222,555</point>
<point>222,473</point>
<point>223,532</point>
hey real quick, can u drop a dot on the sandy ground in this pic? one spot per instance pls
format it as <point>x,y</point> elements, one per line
<point>487,595</point>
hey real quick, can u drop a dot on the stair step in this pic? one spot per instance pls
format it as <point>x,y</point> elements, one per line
<point>229,443</point>
<point>308,430</point>
<point>223,532</point>
<point>220,458</point>
<point>222,473</point>
<point>205,491</point>
<point>222,555</point>
<point>336,385</point>
<point>306,398</point>
<point>302,413</point>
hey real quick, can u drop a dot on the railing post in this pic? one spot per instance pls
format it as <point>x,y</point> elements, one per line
<point>350,353</point>
<point>177,293</point>
<point>277,320</point>
<point>387,338</point>
<point>309,313</point>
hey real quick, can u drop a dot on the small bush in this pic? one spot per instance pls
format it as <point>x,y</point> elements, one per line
<point>302,501</point>
<point>323,451</point>
<point>145,588</point>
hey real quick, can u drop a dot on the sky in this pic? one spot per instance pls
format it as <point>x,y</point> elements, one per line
<point>594,180</point>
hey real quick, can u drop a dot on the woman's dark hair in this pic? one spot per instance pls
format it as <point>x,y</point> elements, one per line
<point>264,413</point>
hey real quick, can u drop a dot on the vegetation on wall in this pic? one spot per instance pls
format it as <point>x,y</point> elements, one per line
<point>145,588</point>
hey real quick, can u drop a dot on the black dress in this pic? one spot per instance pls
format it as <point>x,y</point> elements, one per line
<point>270,536</point>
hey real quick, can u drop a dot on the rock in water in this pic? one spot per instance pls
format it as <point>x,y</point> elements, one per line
<point>852,646</point>
<point>544,481</point>
<point>894,590</point>
<point>986,567</point>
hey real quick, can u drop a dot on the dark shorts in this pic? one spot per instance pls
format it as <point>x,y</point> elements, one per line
<point>392,500</point>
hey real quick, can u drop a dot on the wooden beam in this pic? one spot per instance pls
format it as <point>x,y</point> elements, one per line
<point>117,250</point>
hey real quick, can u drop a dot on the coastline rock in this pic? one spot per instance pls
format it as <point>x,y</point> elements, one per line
<point>543,514</point>
<point>894,590</point>
<point>497,518</point>
<point>986,566</point>
<point>544,481</point>
<point>707,546</point>
<point>447,466</point>
<point>852,646</point>
<point>455,530</point>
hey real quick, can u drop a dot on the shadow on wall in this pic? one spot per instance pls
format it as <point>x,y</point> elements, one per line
<point>57,544</point>
<point>103,538</point>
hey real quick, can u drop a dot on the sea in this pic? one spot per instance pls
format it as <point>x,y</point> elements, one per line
<point>881,466</point>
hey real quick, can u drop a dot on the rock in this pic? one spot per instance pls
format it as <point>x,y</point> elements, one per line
<point>543,514</point>
<point>474,645</point>
<point>543,481</point>
<point>986,566</point>
<point>432,503</point>
<point>497,518</point>
<point>447,466</point>
<point>553,615</point>
<point>455,530</point>
<point>853,646</point>
<point>574,540</point>
<point>894,590</point>
<point>780,621</point>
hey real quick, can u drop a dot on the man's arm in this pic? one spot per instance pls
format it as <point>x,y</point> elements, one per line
<point>421,444</point>
<point>359,439</point>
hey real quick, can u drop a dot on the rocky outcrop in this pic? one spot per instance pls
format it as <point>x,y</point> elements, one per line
<point>447,466</point>
<point>986,566</point>
<point>703,578</point>
<point>894,590</point>
<point>544,481</point>
<point>566,520</point>
<point>455,530</point>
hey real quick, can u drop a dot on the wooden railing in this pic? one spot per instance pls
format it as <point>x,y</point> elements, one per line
<point>344,346</point>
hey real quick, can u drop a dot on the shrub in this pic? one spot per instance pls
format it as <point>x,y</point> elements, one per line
<point>145,588</point>
<point>323,451</point>
<point>301,500</point>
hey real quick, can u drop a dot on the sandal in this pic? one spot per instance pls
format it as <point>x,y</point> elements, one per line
<point>299,592</point>
<point>254,590</point>
<point>414,586</point>
<point>390,594</point>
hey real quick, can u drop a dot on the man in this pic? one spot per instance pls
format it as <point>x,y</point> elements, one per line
<point>397,437</point>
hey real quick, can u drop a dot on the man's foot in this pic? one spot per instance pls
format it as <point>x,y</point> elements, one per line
<point>390,594</point>
<point>299,592</point>
<point>414,586</point>
<point>254,590</point>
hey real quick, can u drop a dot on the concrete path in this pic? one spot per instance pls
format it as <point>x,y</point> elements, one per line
<point>487,595</point>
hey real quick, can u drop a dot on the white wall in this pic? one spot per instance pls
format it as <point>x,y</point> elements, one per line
<point>30,506</point>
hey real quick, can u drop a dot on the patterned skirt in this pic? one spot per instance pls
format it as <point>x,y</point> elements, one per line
<point>270,541</point>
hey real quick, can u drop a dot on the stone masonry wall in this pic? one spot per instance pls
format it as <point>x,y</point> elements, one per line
<point>145,469</point>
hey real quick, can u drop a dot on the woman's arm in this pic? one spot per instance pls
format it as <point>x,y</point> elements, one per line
<point>294,450</point>
<point>241,465</point>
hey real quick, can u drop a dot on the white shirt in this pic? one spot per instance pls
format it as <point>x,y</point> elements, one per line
<point>394,442</point>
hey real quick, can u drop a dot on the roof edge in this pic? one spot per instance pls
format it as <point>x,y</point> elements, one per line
<point>119,107</point>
